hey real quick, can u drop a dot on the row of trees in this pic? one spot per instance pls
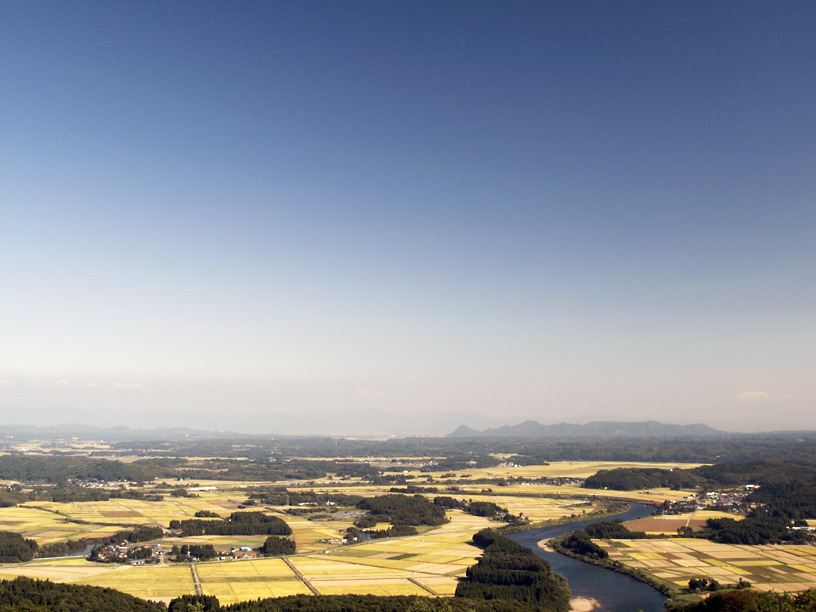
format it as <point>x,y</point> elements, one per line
<point>28,595</point>
<point>60,469</point>
<point>396,531</point>
<point>632,479</point>
<point>347,603</point>
<point>238,523</point>
<point>187,552</point>
<point>752,601</point>
<point>761,526</point>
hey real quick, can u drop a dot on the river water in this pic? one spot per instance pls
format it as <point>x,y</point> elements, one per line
<point>614,592</point>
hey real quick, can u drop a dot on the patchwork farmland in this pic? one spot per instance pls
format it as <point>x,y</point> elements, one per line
<point>676,560</point>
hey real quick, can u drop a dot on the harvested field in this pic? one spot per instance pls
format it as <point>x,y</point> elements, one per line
<point>670,523</point>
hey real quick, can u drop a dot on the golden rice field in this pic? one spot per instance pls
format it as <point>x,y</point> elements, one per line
<point>47,527</point>
<point>768,567</point>
<point>157,583</point>
<point>136,511</point>
<point>58,570</point>
<point>427,564</point>
<point>243,580</point>
<point>308,534</point>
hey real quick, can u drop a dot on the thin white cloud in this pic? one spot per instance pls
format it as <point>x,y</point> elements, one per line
<point>755,396</point>
<point>133,386</point>
<point>5,383</point>
<point>62,382</point>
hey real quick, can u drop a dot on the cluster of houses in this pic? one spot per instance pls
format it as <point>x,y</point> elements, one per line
<point>137,554</point>
<point>124,553</point>
<point>92,483</point>
<point>732,501</point>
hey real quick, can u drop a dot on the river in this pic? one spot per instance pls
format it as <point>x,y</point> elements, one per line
<point>614,592</point>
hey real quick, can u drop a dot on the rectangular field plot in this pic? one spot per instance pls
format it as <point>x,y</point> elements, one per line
<point>146,582</point>
<point>271,568</point>
<point>234,589</point>
<point>308,534</point>
<point>382,587</point>
<point>781,568</point>
<point>444,586</point>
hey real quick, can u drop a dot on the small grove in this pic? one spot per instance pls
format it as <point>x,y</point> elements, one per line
<point>509,571</point>
<point>238,523</point>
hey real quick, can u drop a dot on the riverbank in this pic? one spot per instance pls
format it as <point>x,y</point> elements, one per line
<point>606,511</point>
<point>668,589</point>
<point>583,604</point>
<point>594,588</point>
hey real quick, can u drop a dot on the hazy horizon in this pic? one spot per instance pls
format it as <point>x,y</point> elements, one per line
<point>363,424</point>
<point>219,215</point>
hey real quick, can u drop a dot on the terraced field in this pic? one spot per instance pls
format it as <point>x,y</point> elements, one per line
<point>770,567</point>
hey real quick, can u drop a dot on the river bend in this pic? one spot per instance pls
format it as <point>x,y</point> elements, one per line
<point>614,592</point>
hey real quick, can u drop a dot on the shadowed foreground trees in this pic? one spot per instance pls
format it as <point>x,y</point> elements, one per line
<point>753,601</point>
<point>29,595</point>
<point>510,571</point>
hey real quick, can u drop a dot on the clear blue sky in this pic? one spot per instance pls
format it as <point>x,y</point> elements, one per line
<point>213,213</point>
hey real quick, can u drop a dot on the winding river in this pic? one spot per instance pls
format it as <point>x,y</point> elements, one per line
<point>614,592</point>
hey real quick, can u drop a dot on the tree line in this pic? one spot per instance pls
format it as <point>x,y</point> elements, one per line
<point>507,570</point>
<point>238,523</point>
<point>31,595</point>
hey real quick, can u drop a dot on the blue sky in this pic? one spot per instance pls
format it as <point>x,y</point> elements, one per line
<point>221,213</point>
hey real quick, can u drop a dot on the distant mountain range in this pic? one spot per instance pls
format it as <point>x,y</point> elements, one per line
<point>595,429</point>
<point>332,423</point>
<point>357,421</point>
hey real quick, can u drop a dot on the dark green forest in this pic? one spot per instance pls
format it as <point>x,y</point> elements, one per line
<point>752,601</point>
<point>238,523</point>
<point>15,549</point>
<point>507,570</point>
<point>401,509</point>
<point>26,594</point>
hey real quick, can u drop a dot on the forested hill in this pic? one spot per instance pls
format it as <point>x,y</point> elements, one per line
<point>595,429</point>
